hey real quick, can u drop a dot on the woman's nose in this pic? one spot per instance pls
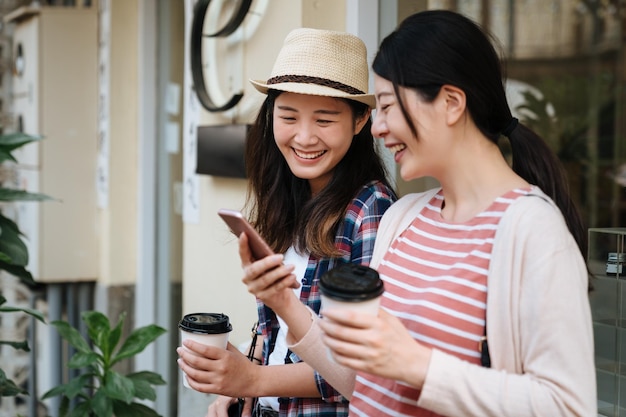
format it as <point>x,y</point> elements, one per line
<point>379,126</point>
<point>306,134</point>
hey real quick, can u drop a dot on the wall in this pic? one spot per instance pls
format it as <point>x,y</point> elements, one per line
<point>211,265</point>
<point>118,222</point>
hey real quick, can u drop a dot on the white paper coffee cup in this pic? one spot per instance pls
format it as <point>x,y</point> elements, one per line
<point>211,329</point>
<point>353,287</point>
<point>368,306</point>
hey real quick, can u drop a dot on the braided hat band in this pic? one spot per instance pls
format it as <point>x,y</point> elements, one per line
<point>321,62</point>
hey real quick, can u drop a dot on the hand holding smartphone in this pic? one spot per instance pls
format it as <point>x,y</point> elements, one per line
<point>238,223</point>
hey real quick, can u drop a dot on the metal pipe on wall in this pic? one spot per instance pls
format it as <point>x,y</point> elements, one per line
<point>33,398</point>
<point>54,297</point>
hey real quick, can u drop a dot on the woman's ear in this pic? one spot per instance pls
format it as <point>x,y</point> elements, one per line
<point>455,101</point>
<point>361,121</point>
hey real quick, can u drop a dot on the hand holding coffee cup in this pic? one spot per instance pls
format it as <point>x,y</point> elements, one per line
<point>353,287</point>
<point>210,329</point>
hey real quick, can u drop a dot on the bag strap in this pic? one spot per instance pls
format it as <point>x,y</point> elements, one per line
<point>483,348</point>
<point>238,406</point>
<point>254,336</point>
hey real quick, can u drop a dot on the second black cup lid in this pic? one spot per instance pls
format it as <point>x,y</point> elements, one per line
<point>206,323</point>
<point>351,282</point>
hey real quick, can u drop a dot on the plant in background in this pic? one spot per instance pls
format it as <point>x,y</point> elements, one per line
<point>100,390</point>
<point>13,250</point>
<point>8,388</point>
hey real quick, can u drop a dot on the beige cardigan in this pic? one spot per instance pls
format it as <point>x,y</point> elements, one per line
<point>538,319</point>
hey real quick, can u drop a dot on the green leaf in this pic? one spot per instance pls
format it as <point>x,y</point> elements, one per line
<point>82,410</point>
<point>64,407</point>
<point>116,333</point>
<point>55,392</point>
<point>11,194</point>
<point>8,388</point>
<point>17,345</point>
<point>83,359</point>
<point>77,385</point>
<point>133,410</point>
<point>36,314</point>
<point>20,272</point>
<point>143,382</point>
<point>118,387</point>
<point>150,377</point>
<point>98,328</point>
<point>4,257</point>
<point>6,156</point>
<point>137,341</point>
<point>144,391</point>
<point>102,405</point>
<point>11,243</point>
<point>72,336</point>
<point>12,141</point>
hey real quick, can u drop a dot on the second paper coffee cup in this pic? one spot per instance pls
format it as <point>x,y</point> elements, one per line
<point>352,286</point>
<point>207,328</point>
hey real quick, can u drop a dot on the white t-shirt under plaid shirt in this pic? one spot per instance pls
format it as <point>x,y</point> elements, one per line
<point>435,276</point>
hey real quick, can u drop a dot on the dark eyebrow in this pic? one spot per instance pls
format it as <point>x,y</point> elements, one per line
<point>383,94</point>
<point>331,112</point>
<point>287,108</point>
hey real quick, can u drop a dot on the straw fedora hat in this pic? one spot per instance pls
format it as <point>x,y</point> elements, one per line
<point>322,63</point>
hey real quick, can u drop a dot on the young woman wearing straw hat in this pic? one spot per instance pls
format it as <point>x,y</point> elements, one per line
<point>497,250</point>
<point>317,191</point>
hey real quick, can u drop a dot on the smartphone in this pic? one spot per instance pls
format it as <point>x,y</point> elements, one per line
<point>238,223</point>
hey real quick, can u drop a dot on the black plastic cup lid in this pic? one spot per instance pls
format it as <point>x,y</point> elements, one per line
<point>351,282</point>
<point>205,323</point>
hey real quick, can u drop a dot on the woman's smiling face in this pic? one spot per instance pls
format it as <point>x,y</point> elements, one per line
<point>313,133</point>
<point>417,156</point>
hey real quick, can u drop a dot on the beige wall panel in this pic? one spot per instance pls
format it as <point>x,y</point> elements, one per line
<point>120,249</point>
<point>68,98</point>
<point>324,14</point>
<point>56,98</point>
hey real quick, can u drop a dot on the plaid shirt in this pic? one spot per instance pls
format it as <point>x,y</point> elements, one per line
<point>355,239</point>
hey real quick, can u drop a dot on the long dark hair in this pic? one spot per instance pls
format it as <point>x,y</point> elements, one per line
<point>437,47</point>
<point>281,205</point>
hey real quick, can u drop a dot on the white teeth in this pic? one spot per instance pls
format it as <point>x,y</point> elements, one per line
<point>397,148</point>
<point>312,155</point>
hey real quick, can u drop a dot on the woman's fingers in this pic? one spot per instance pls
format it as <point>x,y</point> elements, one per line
<point>219,407</point>
<point>244,250</point>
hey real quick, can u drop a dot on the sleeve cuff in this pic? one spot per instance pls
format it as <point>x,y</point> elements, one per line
<point>311,350</point>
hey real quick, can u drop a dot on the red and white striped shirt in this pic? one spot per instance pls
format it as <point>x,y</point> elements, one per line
<point>435,276</point>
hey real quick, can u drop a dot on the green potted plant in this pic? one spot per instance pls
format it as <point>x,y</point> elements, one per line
<point>13,250</point>
<point>100,390</point>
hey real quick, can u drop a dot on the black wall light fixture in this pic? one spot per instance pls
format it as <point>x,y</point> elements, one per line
<point>221,150</point>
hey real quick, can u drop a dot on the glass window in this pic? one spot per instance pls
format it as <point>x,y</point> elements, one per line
<point>565,79</point>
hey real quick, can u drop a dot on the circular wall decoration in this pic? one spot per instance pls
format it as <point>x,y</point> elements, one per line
<point>197,35</point>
